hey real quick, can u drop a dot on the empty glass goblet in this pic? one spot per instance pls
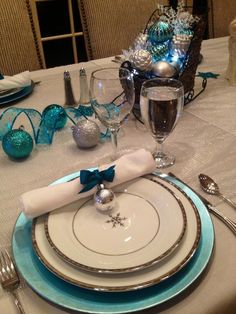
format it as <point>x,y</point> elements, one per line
<point>161,102</point>
<point>112,98</point>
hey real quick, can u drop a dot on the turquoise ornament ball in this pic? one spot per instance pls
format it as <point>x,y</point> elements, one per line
<point>160,32</point>
<point>54,117</point>
<point>17,144</point>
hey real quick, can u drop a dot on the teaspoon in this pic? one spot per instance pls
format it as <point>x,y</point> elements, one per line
<point>211,187</point>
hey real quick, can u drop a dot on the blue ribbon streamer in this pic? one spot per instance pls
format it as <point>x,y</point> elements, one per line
<point>92,178</point>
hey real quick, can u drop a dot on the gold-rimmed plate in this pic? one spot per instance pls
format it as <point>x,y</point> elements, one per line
<point>147,224</point>
<point>125,281</point>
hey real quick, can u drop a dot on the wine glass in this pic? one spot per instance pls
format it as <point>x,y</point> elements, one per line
<point>161,102</point>
<point>112,98</point>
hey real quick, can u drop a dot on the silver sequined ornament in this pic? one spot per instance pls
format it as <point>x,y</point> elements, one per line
<point>180,44</point>
<point>141,59</point>
<point>86,133</point>
<point>164,69</point>
<point>104,199</point>
<point>140,41</point>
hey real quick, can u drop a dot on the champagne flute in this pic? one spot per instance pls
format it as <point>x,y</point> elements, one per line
<point>161,102</point>
<point>112,98</point>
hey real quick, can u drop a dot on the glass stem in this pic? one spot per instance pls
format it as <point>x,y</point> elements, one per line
<point>159,149</point>
<point>114,143</point>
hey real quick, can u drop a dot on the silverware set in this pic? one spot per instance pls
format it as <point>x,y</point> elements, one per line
<point>9,278</point>
<point>226,220</point>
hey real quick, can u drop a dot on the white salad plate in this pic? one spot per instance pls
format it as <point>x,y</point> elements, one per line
<point>113,282</point>
<point>147,224</point>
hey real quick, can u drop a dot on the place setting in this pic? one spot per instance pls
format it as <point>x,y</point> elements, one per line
<point>102,235</point>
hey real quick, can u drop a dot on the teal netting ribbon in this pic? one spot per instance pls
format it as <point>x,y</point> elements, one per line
<point>42,134</point>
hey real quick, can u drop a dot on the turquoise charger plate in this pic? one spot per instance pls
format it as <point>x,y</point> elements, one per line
<point>70,297</point>
<point>17,96</point>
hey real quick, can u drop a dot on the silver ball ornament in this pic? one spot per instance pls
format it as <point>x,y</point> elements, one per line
<point>164,69</point>
<point>104,199</point>
<point>86,133</point>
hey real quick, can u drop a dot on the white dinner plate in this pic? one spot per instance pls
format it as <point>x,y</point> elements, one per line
<point>147,223</point>
<point>123,281</point>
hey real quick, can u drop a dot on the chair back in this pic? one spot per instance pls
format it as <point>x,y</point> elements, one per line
<point>112,25</point>
<point>221,13</point>
<point>19,49</point>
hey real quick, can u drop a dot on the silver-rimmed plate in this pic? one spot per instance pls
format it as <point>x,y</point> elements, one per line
<point>147,224</point>
<point>9,92</point>
<point>16,94</point>
<point>125,281</point>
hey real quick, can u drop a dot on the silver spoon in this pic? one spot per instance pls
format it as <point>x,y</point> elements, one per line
<point>211,187</point>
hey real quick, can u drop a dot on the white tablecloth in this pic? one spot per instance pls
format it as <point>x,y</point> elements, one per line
<point>204,141</point>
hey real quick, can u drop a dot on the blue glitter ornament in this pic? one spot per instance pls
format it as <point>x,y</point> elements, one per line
<point>54,117</point>
<point>160,32</point>
<point>17,144</point>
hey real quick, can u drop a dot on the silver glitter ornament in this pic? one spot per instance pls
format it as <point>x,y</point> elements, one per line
<point>164,69</point>
<point>104,199</point>
<point>141,59</point>
<point>86,133</point>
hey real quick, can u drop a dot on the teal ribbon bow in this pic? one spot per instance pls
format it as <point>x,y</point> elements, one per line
<point>92,178</point>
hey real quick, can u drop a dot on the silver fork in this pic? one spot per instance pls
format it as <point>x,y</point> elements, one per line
<point>9,278</point>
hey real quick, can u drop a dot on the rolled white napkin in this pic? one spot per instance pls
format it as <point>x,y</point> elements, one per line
<point>15,81</point>
<point>40,201</point>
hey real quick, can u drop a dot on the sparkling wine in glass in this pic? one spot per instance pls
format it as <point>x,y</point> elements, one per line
<point>161,102</point>
<point>112,98</point>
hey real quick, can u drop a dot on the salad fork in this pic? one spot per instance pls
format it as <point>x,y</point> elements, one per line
<point>9,278</point>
